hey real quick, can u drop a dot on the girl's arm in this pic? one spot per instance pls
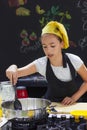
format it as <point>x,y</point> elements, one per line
<point>13,72</point>
<point>83,88</point>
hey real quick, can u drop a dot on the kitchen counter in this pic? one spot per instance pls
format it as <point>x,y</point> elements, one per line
<point>67,109</point>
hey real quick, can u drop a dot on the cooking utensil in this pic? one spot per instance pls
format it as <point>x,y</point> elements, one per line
<point>32,108</point>
<point>17,103</point>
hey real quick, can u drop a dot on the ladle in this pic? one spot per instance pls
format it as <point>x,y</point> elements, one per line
<point>17,103</point>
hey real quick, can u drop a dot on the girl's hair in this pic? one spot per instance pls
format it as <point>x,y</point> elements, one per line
<point>54,35</point>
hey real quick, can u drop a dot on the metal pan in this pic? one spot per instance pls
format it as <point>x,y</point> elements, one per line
<point>32,108</point>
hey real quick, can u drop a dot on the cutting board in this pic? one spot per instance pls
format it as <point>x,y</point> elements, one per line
<point>67,109</point>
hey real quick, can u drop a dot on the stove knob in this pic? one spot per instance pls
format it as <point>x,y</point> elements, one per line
<point>63,117</point>
<point>82,119</point>
<point>72,119</point>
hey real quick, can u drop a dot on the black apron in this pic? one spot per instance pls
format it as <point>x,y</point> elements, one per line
<point>57,89</point>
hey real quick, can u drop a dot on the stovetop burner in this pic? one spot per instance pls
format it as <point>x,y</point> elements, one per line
<point>48,123</point>
<point>27,124</point>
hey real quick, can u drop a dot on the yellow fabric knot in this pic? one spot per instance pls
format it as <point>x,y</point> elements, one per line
<point>59,30</point>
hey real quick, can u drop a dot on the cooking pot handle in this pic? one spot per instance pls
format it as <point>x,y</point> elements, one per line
<point>51,109</point>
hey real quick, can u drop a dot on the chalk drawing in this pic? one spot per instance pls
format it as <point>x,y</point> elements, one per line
<point>82,4</point>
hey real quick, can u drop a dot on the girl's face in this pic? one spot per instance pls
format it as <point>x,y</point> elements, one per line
<point>51,45</point>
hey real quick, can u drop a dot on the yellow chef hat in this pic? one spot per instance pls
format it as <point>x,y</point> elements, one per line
<point>59,30</point>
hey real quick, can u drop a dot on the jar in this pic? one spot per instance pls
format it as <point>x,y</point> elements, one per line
<point>7,91</point>
<point>21,92</point>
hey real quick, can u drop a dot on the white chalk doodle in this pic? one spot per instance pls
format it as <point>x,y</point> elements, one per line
<point>83,6</point>
<point>84,19</point>
<point>83,42</point>
<point>79,4</point>
<point>26,49</point>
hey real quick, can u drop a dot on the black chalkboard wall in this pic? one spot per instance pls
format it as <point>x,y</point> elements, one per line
<point>20,30</point>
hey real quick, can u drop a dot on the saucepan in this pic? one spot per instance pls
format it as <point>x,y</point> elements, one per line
<point>32,108</point>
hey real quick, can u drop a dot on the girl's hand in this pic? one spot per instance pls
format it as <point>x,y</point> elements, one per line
<point>12,74</point>
<point>68,101</point>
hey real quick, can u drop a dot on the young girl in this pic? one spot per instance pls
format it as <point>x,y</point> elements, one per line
<point>58,67</point>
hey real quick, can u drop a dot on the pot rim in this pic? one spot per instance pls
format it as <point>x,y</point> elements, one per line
<point>44,107</point>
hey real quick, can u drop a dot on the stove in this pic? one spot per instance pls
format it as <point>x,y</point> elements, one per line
<point>51,122</point>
